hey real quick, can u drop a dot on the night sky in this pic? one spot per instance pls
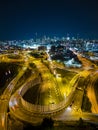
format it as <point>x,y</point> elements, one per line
<point>25,19</point>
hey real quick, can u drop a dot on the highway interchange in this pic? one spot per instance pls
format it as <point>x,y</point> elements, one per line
<point>51,100</point>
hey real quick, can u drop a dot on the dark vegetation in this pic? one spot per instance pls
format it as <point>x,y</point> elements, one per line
<point>36,54</point>
<point>7,72</point>
<point>32,65</point>
<point>13,56</point>
<point>65,73</point>
<point>86,104</point>
<point>48,124</point>
<point>32,95</point>
<point>96,89</point>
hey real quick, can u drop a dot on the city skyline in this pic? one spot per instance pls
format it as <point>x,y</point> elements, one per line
<point>24,19</point>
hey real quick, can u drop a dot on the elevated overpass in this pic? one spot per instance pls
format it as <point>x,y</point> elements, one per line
<point>28,112</point>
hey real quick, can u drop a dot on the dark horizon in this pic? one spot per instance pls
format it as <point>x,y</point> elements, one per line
<point>23,19</point>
